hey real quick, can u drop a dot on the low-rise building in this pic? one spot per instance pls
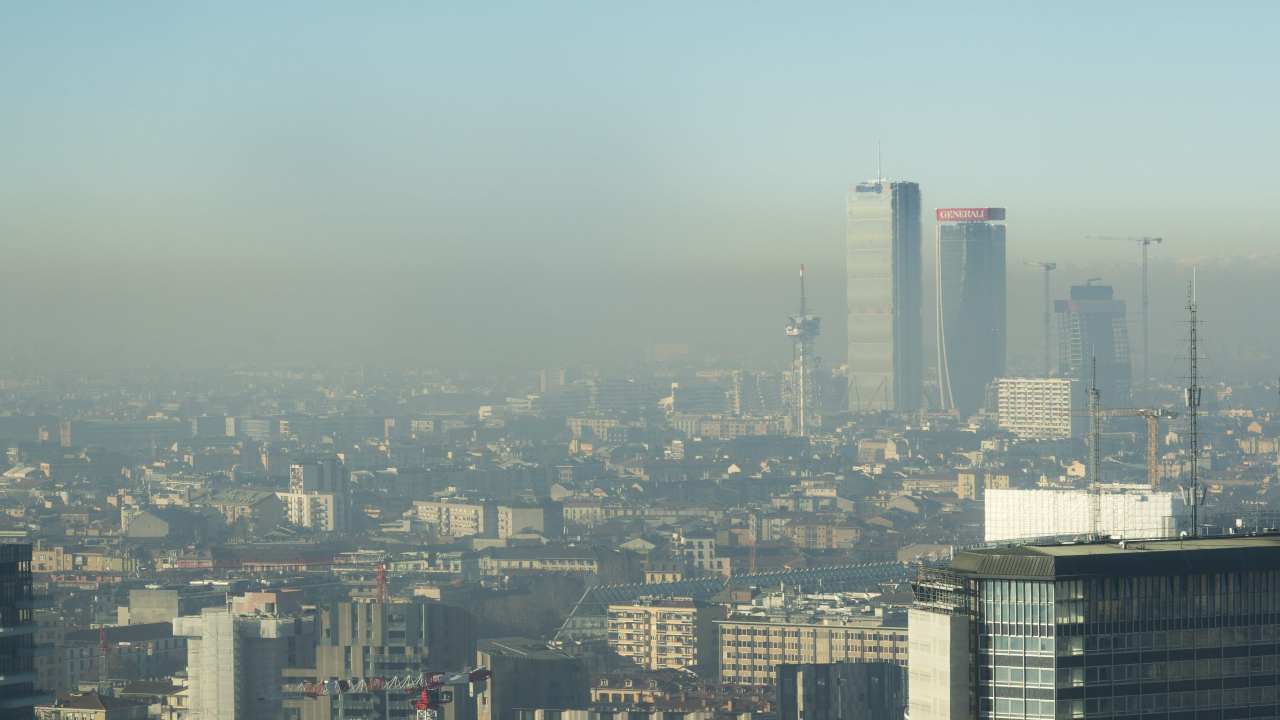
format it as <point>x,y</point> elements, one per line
<point>822,628</point>
<point>91,706</point>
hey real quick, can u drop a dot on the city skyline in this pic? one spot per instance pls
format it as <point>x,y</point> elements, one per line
<point>373,166</point>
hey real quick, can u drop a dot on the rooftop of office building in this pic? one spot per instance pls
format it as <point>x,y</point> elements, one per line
<point>1227,553</point>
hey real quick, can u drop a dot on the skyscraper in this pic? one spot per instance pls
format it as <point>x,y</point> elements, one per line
<point>883,272</point>
<point>1177,629</point>
<point>970,280</point>
<point>1092,327</point>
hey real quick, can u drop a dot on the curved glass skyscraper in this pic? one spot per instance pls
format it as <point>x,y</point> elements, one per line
<point>970,279</point>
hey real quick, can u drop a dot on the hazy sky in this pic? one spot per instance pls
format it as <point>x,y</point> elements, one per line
<point>201,182</point>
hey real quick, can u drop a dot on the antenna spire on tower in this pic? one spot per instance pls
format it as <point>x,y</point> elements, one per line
<point>802,302</point>
<point>1192,489</point>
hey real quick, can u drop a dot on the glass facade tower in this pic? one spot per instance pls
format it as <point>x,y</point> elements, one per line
<point>970,282</point>
<point>1092,326</point>
<point>1172,629</point>
<point>883,274</point>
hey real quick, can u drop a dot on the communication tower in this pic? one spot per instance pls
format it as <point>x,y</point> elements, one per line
<point>803,329</point>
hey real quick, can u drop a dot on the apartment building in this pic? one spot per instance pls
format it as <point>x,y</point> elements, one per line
<point>1034,408</point>
<point>665,633</point>
<point>823,628</point>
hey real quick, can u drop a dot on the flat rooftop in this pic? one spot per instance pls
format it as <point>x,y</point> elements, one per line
<point>1129,558</point>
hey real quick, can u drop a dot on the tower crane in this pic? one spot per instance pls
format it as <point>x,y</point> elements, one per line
<point>1152,416</point>
<point>1045,267</point>
<point>1145,242</point>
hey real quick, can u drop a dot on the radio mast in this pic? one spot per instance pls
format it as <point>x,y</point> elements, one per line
<point>803,329</point>
<point>1191,493</point>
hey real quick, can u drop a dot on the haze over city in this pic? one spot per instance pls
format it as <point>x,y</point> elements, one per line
<point>655,361</point>
<point>204,185</point>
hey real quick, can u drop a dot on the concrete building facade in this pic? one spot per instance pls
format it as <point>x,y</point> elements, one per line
<point>665,633</point>
<point>1034,408</point>
<point>235,663</point>
<point>842,690</point>
<point>526,674</point>
<point>750,652</point>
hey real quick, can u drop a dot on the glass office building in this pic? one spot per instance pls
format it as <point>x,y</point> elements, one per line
<point>969,278</point>
<point>1092,325</point>
<point>18,695</point>
<point>1172,629</point>
<point>883,268</point>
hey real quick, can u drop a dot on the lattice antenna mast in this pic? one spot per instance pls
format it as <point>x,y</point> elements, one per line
<point>1191,491</point>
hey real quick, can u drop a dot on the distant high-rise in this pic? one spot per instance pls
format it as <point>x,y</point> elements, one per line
<point>970,280</point>
<point>883,269</point>
<point>1092,327</point>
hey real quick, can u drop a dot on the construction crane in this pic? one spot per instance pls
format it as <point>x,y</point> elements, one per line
<point>1152,416</point>
<point>1096,413</point>
<point>1046,268</point>
<point>1145,243</point>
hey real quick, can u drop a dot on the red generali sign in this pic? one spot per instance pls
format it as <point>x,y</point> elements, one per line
<point>969,214</point>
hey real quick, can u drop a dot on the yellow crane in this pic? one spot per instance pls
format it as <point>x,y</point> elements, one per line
<point>1153,416</point>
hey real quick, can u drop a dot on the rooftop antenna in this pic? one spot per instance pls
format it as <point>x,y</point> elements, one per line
<point>802,303</point>
<point>879,167</point>
<point>1191,491</point>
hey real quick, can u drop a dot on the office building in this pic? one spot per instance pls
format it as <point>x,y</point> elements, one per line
<point>969,280</point>
<point>1034,408</point>
<point>1122,512</point>
<point>1176,629</point>
<point>527,674</point>
<point>364,641</point>
<point>17,634</point>
<point>883,275</point>
<point>780,628</point>
<point>841,691</point>
<point>235,662</point>
<point>665,633</point>
<point>1092,328</point>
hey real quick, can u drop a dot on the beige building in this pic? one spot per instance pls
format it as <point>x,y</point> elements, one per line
<point>1034,408</point>
<point>259,508</point>
<point>805,629</point>
<point>514,520</point>
<point>317,511</point>
<point>665,633</point>
<point>91,706</point>
<point>457,518</point>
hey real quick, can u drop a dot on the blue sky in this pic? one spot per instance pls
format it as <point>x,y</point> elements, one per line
<point>527,144</point>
